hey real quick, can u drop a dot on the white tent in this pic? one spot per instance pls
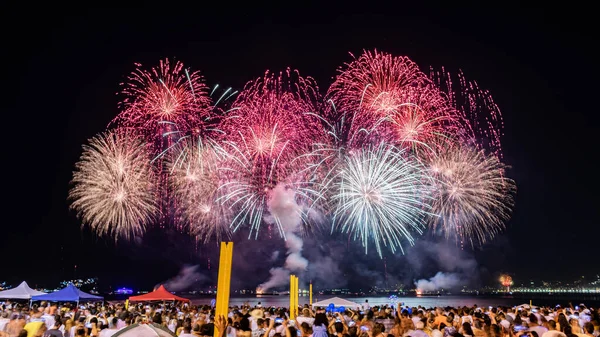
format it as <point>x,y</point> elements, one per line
<point>338,302</point>
<point>21,292</point>
<point>144,330</point>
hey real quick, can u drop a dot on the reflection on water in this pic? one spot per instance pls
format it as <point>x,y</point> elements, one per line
<point>425,301</point>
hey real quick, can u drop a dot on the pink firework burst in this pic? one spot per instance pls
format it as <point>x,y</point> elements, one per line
<point>167,99</point>
<point>375,81</point>
<point>423,121</point>
<point>274,117</point>
<point>393,101</point>
<point>273,125</point>
<point>482,126</point>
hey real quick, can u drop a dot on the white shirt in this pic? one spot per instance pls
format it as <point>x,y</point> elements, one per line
<point>49,320</point>
<point>231,331</point>
<point>418,333</point>
<point>253,324</point>
<point>186,335</point>
<point>107,332</point>
<point>3,322</point>
<point>120,324</point>
<point>280,329</point>
<point>172,325</point>
<point>539,329</point>
<point>303,319</point>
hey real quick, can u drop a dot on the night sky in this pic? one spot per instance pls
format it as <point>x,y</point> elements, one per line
<point>62,70</point>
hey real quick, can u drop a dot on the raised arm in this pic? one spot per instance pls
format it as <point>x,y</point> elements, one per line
<point>271,325</point>
<point>221,325</point>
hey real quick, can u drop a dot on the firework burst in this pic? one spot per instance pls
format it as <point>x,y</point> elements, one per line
<point>113,185</point>
<point>388,150</point>
<point>376,82</point>
<point>421,123</point>
<point>481,119</point>
<point>195,180</point>
<point>472,195</point>
<point>271,127</point>
<point>165,96</point>
<point>394,102</point>
<point>381,196</point>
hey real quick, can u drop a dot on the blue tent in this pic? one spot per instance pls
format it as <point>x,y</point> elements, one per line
<point>68,294</point>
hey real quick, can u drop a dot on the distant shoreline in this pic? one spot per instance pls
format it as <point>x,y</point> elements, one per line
<point>423,300</point>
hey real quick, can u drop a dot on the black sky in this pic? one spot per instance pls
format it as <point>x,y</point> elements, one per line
<point>62,69</point>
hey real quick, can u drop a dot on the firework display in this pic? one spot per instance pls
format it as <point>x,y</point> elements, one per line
<point>195,180</point>
<point>382,196</point>
<point>164,99</point>
<point>268,131</point>
<point>473,197</point>
<point>386,154</point>
<point>506,281</point>
<point>113,182</point>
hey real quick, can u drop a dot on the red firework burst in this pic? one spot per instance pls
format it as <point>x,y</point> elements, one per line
<point>167,99</point>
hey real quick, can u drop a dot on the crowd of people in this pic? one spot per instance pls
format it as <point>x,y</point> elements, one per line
<point>185,320</point>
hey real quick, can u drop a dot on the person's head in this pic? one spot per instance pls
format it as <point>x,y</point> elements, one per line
<point>339,327</point>
<point>157,318</point>
<point>467,329</point>
<point>588,328</point>
<point>320,319</point>
<point>533,319</point>
<point>306,328</point>
<point>378,328</point>
<point>245,324</point>
<point>187,327</point>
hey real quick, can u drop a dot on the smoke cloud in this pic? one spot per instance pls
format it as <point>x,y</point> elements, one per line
<point>285,212</point>
<point>336,261</point>
<point>439,281</point>
<point>188,276</point>
<point>456,267</point>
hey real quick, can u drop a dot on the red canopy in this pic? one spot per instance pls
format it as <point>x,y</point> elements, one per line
<point>160,294</point>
